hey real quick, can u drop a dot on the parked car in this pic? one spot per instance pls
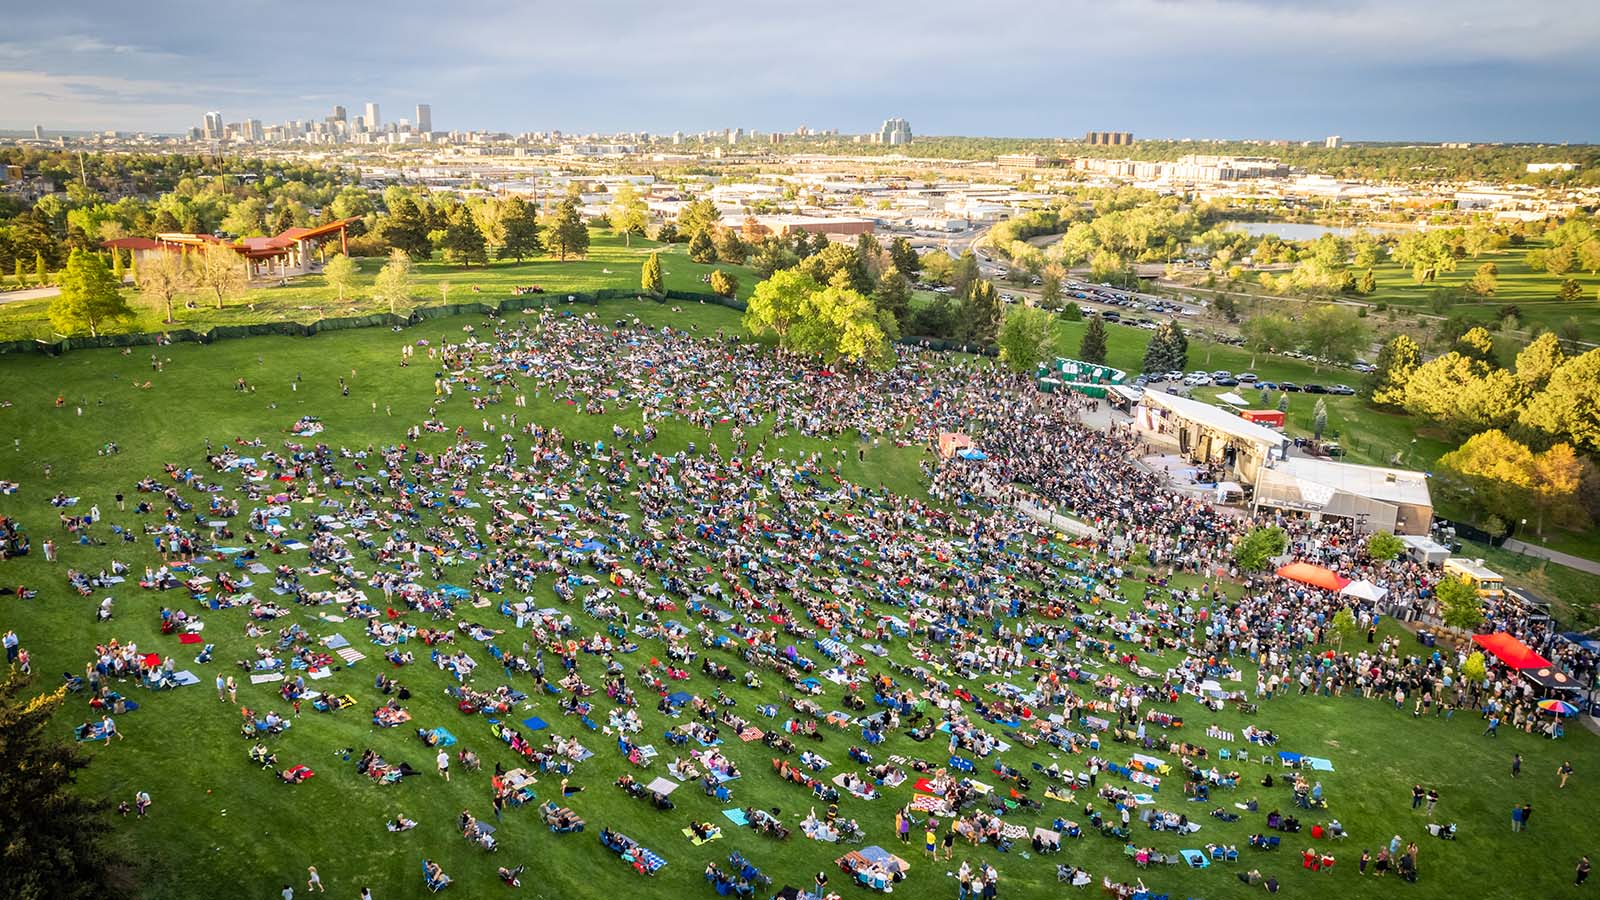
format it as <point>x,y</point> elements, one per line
<point>1289,386</point>
<point>1222,373</point>
<point>1225,381</point>
<point>1268,385</point>
<point>1343,390</point>
<point>1246,377</point>
<point>1200,380</point>
<point>1315,389</point>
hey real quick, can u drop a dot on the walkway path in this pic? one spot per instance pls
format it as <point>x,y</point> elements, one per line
<point>40,293</point>
<point>1555,556</point>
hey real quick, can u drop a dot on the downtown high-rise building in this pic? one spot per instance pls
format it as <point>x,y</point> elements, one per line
<point>895,132</point>
<point>213,126</point>
<point>424,118</point>
<point>372,120</point>
<point>340,114</point>
<point>38,132</point>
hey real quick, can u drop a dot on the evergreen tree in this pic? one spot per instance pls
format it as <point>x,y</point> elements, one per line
<point>519,223</point>
<point>1168,349</point>
<point>1367,285</point>
<point>650,280</point>
<point>724,284</point>
<point>1092,349</point>
<point>52,843</point>
<point>41,272</point>
<point>1570,290</point>
<point>905,258</point>
<point>668,233</point>
<point>406,228</point>
<point>731,248</point>
<point>463,241</point>
<point>893,296</point>
<point>981,314</point>
<point>965,274</point>
<point>567,233</point>
<point>701,248</point>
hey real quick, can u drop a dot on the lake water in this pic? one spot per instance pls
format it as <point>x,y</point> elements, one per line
<point>1290,231</point>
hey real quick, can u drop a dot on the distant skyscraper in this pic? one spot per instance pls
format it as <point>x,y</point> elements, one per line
<point>339,114</point>
<point>1109,138</point>
<point>1333,142</point>
<point>677,138</point>
<point>735,136</point>
<point>213,126</point>
<point>372,116</point>
<point>895,132</point>
<point>424,118</point>
<point>252,129</point>
<point>38,132</point>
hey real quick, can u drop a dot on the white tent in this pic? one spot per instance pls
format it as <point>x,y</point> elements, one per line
<point>1364,590</point>
<point>1233,399</point>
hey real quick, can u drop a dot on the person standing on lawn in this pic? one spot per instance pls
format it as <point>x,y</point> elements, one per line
<point>1516,765</point>
<point>444,764</point>
<point>1565,772</point>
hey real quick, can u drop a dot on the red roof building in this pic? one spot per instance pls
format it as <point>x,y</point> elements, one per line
<point>295,251</point>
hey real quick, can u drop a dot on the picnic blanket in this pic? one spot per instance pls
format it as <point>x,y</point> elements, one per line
<point>265,677</point>
<point>716,835</point>
<point>736,816</point>
<point>1318,763</point>
<point>751,733</point>
<point>335,642</point>
<point>185,678</point>
<point>351,655</point>
<point>191,638</point>
<point>534,723</point>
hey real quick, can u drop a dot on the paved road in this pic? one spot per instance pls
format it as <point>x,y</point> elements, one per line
<point>1565,559</point>
<point>29,294</point>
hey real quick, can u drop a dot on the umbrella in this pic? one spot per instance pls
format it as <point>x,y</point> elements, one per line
<point>1559,707</point>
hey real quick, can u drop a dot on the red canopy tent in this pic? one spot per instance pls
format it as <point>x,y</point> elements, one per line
<point>1510,651</point>
<point>1316,576</point>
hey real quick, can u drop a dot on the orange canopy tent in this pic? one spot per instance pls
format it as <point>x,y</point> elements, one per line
<point>1510,651</point>
<point>1316,576</point>
<point>951,441</point>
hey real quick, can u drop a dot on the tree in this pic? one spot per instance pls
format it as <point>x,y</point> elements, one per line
<point>519,226</point>
<point>1485,281</point>
<point>1256,549</point>
<point>731,248</point>
<point>980,314</point>
<point>1397,362</point>
<point>1496,472</point>
<point>1267,333</point>
<point>832,322</point>
<point>1367,285</point>
<point>1475,669</point>
<point>723,284</point>
<point>1072,312</point>
<point>219,270</point>
<point>702,249</point>
<point>1319,418</point>
<point>567,233</point>
<point>650,280</point>
<point>1539,360</point>
<point>1024,338</point>
<point>20,275</point>
<point>777,303</point>
<point>905,258</point>
<point>41,272</point>
<point>1092,348</point>
<point>1436,388</point>
<point>1333,333</point>
<point>340,273</point>
<point>667,233</point>
<point>53,843</point>
<point>1568,409</point>
<point>1049,288</point>
<point>116,265</point>
<point>1569,290</point>
<point>964,274</point>
<point>463,242</point>
<point>628,213</point>
<point>699,216</point>
<point>163,277</point>
<point>1168,349</point>
<point>893,296</point>
<point>1557,477</point>
<point>1477,343</point>
<point>1459,604</point>
<point>89,298</point>
<point>406,228</point>
<point>394,281</point>
<point>1344,627</point>
<point>1383,546</point>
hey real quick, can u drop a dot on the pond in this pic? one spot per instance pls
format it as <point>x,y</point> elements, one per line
<point>1290,231</point>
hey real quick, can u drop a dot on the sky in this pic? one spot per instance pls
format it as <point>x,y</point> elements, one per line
<point>1446,70</point>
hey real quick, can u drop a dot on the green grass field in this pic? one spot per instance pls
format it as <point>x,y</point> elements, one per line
<point>1533,293</point>
<point>609,264</point>
<point>220,824</point>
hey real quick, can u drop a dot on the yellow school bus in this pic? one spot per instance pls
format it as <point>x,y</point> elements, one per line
<point>1490,585</point>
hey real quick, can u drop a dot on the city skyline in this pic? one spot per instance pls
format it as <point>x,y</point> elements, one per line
<point>1258,68</point>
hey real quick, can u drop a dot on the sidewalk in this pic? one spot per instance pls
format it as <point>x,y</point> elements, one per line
<point>1565,559</point>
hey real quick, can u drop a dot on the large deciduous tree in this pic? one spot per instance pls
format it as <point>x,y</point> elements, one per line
<point>394,282</point>
<point>90,297</point>
<point>161,278</point>
<point>340,273</point>
<point>1025,338</point>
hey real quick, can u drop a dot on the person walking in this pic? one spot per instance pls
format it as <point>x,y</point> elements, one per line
<point>233,691</point>
<point>222,688</point>
<point>444,764</point>
<point>1516,765</point>
<point>314,881</point>
<point>1527,815</point>
<point>1416,795</point>
<point>1565,772</point>
<point>1582,873</point>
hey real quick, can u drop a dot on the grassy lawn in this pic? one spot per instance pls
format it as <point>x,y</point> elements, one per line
<point>220,823</point>
<point>1534,293</point>
<point>609,264</point>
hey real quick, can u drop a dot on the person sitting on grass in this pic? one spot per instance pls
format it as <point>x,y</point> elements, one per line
<point>512,876</point>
